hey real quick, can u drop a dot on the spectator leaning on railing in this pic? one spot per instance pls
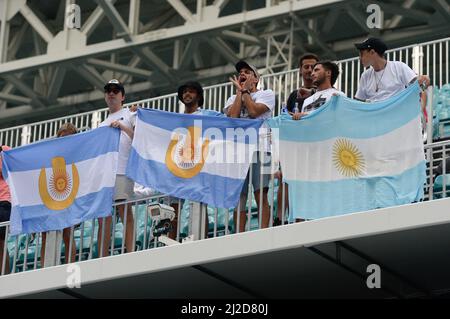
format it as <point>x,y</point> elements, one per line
<point>383,78</point>
<point>120,118</point>
<point>5,213</point>
<point>64,130</point>
<point>306,65</point>
<point>324,76</point>
<point>251,103</point>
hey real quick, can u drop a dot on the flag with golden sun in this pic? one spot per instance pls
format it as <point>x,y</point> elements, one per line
<point>350,156</point>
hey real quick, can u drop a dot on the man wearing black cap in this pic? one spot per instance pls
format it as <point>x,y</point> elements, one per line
<point>251,103</point>
<point>124,120</point>
<point>384,78</point>
<point>191,95</point>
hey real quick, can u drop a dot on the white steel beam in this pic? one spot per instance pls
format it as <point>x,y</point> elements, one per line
<point>313,35</point>
<point>120,68</point>
<point>184,12</point>
<point>135,60</point>
<point>133,18</point>
<point>56,83</point>
<point>163,34</point>
<point>241,37</point>
<point>154,61</point>
<point>94,19</point>
<point>16,41</point>
<point>90,74</point>
<point>223,49</point>
<point>115,19</point>
<point>15,99</point>
<point>220,4</point>
<point>36,23</point>
<point>25,89</point>
<point>414,14</point>
<point>395,21</point>
<point>4,33</point>
<point>443,8</point>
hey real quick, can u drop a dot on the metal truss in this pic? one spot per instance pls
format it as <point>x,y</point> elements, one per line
<point>154,45</point>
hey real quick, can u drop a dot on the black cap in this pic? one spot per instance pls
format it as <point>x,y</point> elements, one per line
<point>194,85</point>
<point>115,83</point>
<point>242,64</point>
<point>372,43</point>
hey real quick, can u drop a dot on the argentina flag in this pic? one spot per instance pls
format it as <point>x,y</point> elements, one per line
<point>194,157</point>
<point>350,156</point>
<point>61,182</point>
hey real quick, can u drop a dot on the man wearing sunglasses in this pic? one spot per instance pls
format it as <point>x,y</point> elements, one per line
<point>124,120</point>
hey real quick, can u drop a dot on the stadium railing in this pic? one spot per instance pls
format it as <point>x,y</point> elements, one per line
<point>429,58</point>
<point>24,250</point>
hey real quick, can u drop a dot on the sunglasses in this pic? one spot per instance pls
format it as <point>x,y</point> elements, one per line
<point>115,91</point>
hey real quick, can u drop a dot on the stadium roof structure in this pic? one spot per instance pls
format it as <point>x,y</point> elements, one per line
<point>49,69</point>
<point>325,258</point>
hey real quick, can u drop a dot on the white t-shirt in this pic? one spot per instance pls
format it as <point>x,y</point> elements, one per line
<point>394,78</point>
<point>318,99</point>
<point>266,97</point>
<point>129,119</point>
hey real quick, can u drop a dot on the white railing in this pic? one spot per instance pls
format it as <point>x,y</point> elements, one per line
<point>431,58</point>
<point>24,252</point>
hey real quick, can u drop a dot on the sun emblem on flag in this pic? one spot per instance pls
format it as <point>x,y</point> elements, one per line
<point>58,191</point>
<point>347,158</point>
<point>186,154</point>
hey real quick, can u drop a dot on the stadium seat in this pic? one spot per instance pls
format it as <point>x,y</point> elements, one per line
<point>438,186</point>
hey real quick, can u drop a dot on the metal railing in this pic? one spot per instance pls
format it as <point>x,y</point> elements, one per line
<point>431,58</point>
<point>88,240</point>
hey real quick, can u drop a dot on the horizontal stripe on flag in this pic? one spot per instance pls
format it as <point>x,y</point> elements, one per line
<point>67,147</point>
<point>214,190</point>
<point>26,183</point>
<point>349,118</point>
<point>36,218</point>
<point>354,195</point>
<point>405,151</point>
<point>177,120</point>
<point>225,158</point>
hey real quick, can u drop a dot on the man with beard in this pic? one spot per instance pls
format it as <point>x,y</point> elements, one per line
<point>191,94</point>
<point>324,76</point>
<point>251,103</point>
<point>306,65</point>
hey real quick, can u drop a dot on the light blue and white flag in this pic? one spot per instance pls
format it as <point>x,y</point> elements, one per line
<point>350,156</point>
<point>61,182</point>
<point>194,157</point>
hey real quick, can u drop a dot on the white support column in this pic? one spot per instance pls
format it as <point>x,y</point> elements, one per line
<point>417,57</point>
<point>53,248</point>
<point>182,10</point>
<point>133,20</point>
<point>197,220</point>
<point>4,32</point>
<point>25,137</point>
<point>429,109</point>
<point>95,121</point>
